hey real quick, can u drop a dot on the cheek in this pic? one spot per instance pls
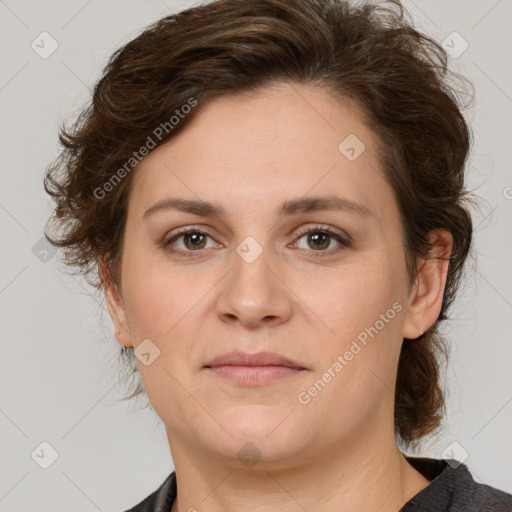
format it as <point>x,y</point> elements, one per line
<point>357,360</point>
<point>160,304</point>
<point>350,300</point>
<point>361,321</point>
<point>158,297</point>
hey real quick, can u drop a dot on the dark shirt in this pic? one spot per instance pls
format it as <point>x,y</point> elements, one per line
<point>451,489</point>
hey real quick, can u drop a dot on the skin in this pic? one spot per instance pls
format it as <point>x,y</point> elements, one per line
<point>249,153</point>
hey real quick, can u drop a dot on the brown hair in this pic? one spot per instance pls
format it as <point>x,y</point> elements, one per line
<point>371,54</point>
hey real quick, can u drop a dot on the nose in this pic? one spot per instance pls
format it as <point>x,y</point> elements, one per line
<point>254,294</point>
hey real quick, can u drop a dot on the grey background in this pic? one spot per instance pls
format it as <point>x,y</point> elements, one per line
<point>58,372</point>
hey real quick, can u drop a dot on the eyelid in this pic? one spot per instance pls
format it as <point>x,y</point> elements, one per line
<point>326,228</point>
<point>176,233</point>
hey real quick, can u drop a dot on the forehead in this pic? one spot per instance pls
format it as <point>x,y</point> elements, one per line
<point>266,146</point>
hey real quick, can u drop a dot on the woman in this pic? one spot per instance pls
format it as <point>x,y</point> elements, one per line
<point>271,195</point>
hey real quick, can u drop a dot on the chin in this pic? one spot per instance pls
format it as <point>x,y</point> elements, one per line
<point>268,428</point>
<point>260,452</point>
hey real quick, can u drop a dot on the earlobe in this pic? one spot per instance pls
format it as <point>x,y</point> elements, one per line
<point>115,306</point>
<point>426,297</point>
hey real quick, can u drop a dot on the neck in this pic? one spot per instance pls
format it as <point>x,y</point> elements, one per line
<point>365,475</point>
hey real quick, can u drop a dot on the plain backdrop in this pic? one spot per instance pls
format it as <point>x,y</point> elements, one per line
<point>58,357</point>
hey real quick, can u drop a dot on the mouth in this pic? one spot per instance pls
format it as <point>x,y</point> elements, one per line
<point>258,369</point>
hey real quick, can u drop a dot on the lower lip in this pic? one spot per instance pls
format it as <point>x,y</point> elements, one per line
<point>255,375</point>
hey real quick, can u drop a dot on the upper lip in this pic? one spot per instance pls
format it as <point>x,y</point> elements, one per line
<point>238,358</point>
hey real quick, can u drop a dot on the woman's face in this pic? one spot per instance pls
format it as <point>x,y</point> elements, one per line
<point>278,164</point>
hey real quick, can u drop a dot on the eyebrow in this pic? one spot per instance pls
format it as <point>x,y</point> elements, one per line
<point>290,207</point>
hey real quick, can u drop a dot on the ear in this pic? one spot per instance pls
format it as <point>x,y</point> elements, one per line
<point>426,297</point>
<point>115,305</point>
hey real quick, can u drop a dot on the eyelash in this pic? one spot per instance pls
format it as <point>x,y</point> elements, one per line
<point>345,242</point>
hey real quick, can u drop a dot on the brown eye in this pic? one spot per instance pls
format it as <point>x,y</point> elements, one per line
<point>319,239</point>
<point>194,240</point>
<point>191,240</point>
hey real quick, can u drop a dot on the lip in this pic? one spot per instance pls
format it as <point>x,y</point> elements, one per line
<point>257,369</point>
<point>238,358</point>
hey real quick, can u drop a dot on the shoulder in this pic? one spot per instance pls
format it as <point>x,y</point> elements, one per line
<point>453,489</point>
<point>160,500</point>
<point>486,498</point>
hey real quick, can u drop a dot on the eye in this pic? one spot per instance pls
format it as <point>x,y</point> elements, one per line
<point>194,240</point>
<point>319,238</point>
